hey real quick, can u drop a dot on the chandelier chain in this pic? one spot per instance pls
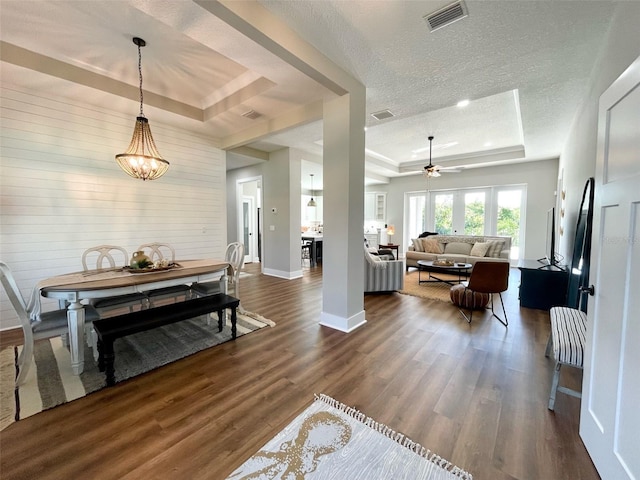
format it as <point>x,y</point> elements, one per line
<point>140,75</point>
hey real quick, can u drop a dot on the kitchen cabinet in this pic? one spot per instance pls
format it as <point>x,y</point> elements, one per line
<point>373,239</point>
<point>375,206</point>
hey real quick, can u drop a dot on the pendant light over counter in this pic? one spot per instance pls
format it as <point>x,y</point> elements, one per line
<point>312,202</point>
<point>142,159</point>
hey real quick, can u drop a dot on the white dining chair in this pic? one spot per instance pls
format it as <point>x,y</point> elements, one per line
<point>163,251</point>
<point>234,255</point>
<point>48,325</point>
<point>111,256</point>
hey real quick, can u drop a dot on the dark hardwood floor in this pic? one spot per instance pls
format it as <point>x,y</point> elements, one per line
<point>475,394</point>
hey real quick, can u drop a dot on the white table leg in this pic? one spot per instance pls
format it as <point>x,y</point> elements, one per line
<point>75,319</point>
<point>224,283</point>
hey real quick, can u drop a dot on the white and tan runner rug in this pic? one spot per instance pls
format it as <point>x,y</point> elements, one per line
<point>331,441</point>
<point>51,382</point>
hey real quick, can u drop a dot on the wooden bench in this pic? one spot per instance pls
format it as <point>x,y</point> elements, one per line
<point>110,329</point>
<point>568,336</point>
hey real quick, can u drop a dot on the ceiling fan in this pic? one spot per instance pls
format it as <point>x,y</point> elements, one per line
<point>431,170</point>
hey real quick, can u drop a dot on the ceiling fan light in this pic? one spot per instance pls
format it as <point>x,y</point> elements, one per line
<point>431,170</point>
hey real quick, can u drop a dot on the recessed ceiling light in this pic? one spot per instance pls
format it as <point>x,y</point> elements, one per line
<point>463,103</point>
<point>488,144</point>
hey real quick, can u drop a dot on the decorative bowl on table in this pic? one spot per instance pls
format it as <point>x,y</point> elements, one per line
<point>443,263</point>
<point>155,267</point>
<point>140,263</point>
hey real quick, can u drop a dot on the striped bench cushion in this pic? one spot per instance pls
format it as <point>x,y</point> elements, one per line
<point>568,331</point>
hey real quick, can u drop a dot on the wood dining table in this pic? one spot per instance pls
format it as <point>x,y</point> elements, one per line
<point>73,288</point>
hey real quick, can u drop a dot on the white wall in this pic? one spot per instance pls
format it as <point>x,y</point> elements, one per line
<point>539,177</point>
<point>578,158</point>
<point>62,190</point>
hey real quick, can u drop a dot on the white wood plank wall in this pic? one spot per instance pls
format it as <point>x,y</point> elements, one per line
<point>63,192</point>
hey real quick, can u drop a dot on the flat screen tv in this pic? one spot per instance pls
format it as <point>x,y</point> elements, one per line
<point>550,258</point>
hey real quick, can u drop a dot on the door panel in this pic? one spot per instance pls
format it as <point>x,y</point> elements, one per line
<point>609,417</point>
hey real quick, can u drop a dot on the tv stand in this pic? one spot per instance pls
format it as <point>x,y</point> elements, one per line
<point>542,286</point>
<point>552,266</point>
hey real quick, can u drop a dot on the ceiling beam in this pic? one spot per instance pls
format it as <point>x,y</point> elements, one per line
<point>293,118</point>
<point>49,66</point>
<point>260,25</point>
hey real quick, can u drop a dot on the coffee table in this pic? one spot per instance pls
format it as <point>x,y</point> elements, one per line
<point>455,269</point>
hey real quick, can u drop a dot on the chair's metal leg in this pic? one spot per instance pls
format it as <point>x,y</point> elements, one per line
<point>505,322</point>
<point>468,319</point>
<point>554,386</point>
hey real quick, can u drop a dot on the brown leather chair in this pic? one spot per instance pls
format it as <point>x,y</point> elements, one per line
<point>490,278</point>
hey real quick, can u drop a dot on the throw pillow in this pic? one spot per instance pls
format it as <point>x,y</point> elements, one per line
<point>494,249</point>
<point>457,248</point>
<point>480,249</point>
<point>374,261</point>
<point>431,245</point>
<point>417,245</point>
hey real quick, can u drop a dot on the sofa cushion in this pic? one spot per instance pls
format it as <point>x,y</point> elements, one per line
<point>459,248</point>
<point>412,256</point>
<point>494,249</point>
<point>480,249</point>
<point>374,260</point>
<point>417,244</point>
<point>430,245</point>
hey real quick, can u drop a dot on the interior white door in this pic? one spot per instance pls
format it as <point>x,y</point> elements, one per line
<point>610,417</point>
<point>249,238</point>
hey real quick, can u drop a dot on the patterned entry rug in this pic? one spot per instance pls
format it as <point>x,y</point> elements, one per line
<point>330,441</point>
<point>50,381</point>
<point>434,291</point>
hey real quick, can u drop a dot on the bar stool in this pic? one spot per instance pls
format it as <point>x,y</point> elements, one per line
<point>306,251</point>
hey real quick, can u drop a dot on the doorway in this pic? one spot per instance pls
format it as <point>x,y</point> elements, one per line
<point>249,201</point>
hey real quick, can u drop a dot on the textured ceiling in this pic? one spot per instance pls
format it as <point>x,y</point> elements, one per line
<point>524,65</point>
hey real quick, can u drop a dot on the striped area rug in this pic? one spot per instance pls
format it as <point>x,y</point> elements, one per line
<point>51,382</point>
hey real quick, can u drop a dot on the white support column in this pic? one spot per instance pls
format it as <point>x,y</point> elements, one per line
<point>343,185</point>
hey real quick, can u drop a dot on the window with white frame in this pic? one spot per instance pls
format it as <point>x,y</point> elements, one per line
<point>476,211</point>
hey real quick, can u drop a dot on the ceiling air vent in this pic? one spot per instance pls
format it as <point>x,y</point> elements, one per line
<point>382,115</point>
<point>446,16</point>
<point>252,114</point>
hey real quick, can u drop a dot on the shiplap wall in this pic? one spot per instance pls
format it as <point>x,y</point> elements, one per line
<point>63,192</point>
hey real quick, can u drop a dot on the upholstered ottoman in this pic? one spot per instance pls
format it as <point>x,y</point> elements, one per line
<point>461,297</point>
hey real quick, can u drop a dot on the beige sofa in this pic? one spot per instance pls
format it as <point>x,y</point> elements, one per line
<point>458,248</point>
